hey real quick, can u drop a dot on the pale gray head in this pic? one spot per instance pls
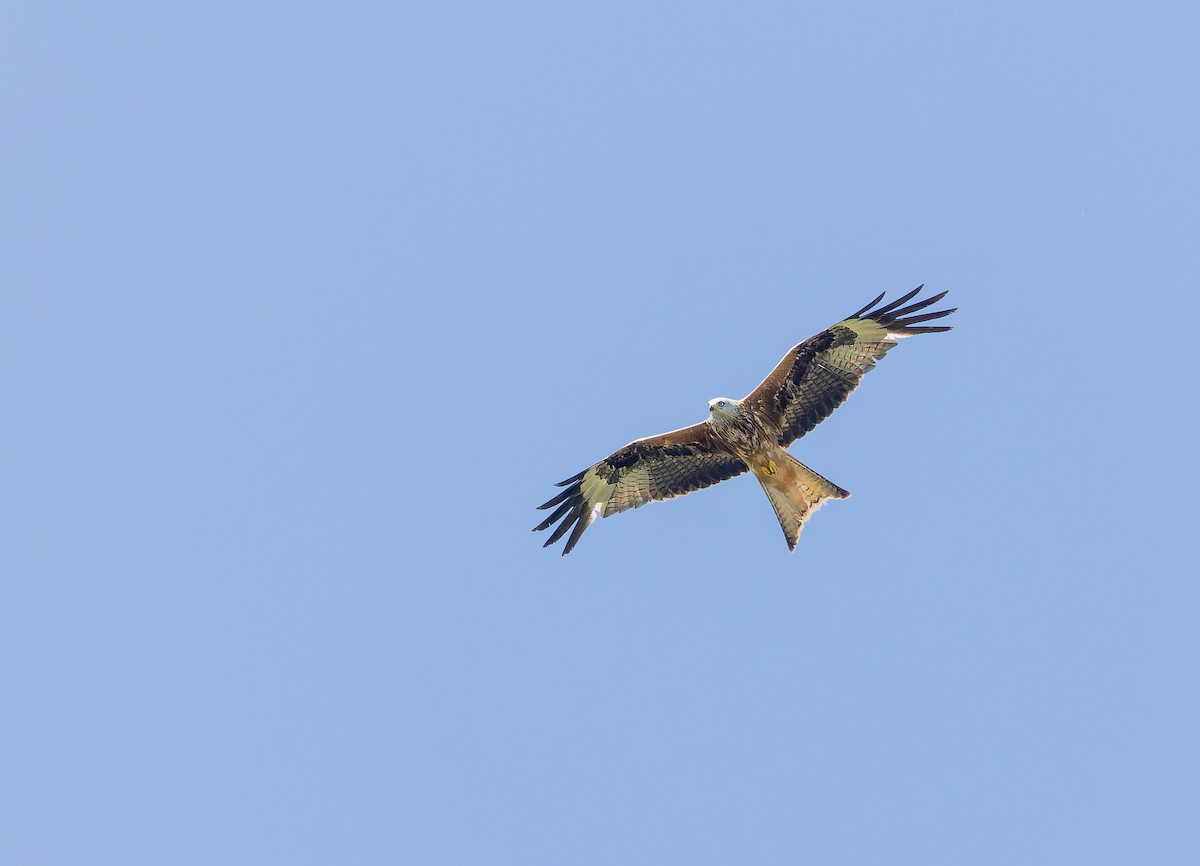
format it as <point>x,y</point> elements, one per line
<point>726,406</point>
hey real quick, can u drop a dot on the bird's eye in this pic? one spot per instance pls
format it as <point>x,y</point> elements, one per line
<point>721,403</point>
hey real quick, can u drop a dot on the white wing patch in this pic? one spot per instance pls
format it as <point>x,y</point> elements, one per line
<point>596,491</point>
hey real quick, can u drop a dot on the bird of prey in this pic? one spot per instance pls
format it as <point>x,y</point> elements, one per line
<point>750,434</point>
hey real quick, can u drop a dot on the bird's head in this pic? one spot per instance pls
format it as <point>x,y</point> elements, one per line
<point>724,406</point>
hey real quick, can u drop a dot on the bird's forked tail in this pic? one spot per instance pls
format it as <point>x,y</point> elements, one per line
<point>796,492</point>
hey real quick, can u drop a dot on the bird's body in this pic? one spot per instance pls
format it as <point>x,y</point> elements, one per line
<point>743,433</point>
<point>750,434</point>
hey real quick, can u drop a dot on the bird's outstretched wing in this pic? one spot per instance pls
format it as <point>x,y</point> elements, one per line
<point>648,470</point>
<point>817,375</point>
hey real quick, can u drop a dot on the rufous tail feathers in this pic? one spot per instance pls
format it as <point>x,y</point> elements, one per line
<point>796,492</point>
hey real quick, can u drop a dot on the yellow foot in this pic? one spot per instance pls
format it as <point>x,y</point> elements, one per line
<point>770,468</point>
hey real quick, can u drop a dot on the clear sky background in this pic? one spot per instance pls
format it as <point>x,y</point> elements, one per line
<point>304,307</point>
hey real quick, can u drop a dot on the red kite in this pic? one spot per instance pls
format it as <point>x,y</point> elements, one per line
<point>748,434</point>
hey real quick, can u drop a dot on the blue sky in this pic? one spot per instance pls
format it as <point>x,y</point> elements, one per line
<point>303,309</point>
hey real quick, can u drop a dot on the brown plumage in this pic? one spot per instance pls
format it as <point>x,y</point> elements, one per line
<point>748,434</point>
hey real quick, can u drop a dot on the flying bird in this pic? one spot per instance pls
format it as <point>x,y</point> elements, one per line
<point>750,434</point>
